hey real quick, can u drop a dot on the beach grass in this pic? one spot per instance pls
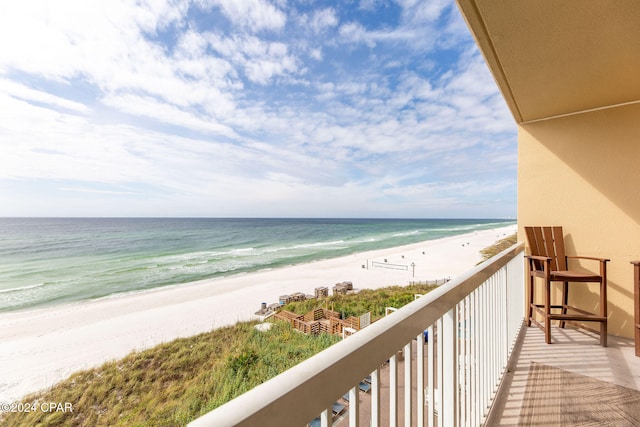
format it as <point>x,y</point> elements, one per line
<point>498,247</point>
<point>174,383</point>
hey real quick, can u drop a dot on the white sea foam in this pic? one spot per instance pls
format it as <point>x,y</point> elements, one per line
<point>21,288</point>
<point>408,233</point>
<point>317,244</point>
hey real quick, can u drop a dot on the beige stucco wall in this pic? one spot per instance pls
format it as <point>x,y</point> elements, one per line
<point>583,172</point>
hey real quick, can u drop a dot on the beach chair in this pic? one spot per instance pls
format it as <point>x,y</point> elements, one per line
<point>549,262</point>
<point>363,386</point>
<point>337,408</point>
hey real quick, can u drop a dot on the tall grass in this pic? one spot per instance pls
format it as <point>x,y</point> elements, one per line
<point>171,384</point>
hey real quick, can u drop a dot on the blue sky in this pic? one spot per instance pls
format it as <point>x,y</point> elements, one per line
<point>224,108</point>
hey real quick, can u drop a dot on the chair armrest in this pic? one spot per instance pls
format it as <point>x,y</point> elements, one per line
<point>540,258</point>
<point>545,263</point>
<point>590,258</point>
<point>603,263</point>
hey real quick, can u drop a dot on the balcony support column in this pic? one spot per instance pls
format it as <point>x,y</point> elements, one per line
<point>407,385</point>
<point>431,385</point>
<point>449,385</point>
<point>375,398</point>
<point>325,418</point>
<point>420,400</point>
<point>439,396</point>
<point>393,391</point>
<point>354,407</point>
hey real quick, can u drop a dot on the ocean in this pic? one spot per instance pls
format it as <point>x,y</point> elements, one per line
<point>50,261</point>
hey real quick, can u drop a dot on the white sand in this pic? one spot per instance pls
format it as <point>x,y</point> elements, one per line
<point>41,347</point>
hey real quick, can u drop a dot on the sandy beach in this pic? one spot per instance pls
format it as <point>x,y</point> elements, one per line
<point>41,347</point>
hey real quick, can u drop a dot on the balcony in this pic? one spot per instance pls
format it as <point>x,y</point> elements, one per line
<point>470,368</point>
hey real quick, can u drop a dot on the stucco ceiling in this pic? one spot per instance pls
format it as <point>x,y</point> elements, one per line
<point>557,57</point>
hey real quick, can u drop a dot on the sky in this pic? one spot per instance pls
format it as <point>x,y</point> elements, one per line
<point>250,108</point>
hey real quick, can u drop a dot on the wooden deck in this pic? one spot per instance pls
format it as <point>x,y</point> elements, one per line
<point>573,350</point>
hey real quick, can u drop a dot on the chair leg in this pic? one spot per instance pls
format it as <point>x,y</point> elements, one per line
<point>603,312</point>
<point>547,312</point>
<point>565,301</point>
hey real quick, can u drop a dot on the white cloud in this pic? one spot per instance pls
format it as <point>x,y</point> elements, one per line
<point>259,60</point>
<point>369,5</point>
<point>253,14</point>
<point>167,114</point>
<point>32,95</point>
<point>416,11</point>
<point>354,32</point>
<point>71,37</point>
<point>322,19</point>
<point>316,54</point>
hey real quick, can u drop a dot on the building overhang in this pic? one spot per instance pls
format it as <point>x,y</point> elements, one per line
<point>554,58</point>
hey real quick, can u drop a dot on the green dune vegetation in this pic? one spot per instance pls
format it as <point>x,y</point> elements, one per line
<point>174,383</point>
<point>363,301</point>
<point>498,247</point>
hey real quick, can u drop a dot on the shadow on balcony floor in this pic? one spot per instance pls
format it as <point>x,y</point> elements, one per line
<point>573,351</point>
<point>555,397</point>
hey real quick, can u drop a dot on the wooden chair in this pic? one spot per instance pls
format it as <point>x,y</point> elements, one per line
<point>636,304</point>
<point>549,262</point>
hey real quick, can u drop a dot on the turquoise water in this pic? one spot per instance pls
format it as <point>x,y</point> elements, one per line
<point>48,261</point>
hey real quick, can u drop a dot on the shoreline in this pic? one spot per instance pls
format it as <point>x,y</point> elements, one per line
<point>41,346</point>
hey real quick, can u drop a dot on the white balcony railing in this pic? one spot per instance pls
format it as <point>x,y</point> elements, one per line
<point>472,323</point>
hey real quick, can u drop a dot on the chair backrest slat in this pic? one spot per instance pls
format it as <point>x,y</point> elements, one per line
<point>549,242</point>
<point>558,240</point>
<point>534,238</point>
<point>533,246</point>
<point>550,247</point>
